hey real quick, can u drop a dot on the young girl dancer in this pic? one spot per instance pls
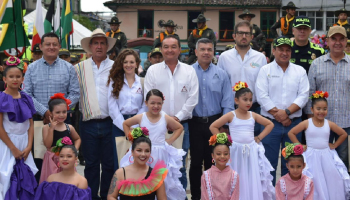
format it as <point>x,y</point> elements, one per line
<point>139,181</point>
<point>156,121</point>
<point>247,152</point>
<point>220,181</point>
<point>67,184</point>
<point>294,185</point>
<point>54,131</point>
<point>330,176</point>
<point>16,124</point>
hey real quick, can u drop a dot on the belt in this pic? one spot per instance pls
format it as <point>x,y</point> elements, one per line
<point>295,118</point>
<point>207,119</point>
<point>100,120</point>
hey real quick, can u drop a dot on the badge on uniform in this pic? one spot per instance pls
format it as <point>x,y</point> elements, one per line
<point>313,56</point>
<point>208,34</point>
<point>253,31</point>
<point>139,91</point>
<point>118,38</point>
<point>184,89</point>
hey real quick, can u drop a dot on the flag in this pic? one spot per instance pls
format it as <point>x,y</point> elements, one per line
<point>13,34</point>
<point>48,19</point>
<point>38,28</point>
<point>144,32</point>
<point>225,34</point>
<point>66,23</point>
<point>56,20</point>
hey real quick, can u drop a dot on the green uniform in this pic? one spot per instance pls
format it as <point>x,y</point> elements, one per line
<point>121,42</point>
<point>259,40</point>
<point>158,41</point>
<point>278,24</point>
<point>192,40</point>
<point>304,56</point>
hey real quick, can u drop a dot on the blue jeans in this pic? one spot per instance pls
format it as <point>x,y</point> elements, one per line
<point>185,147</point>
<point>342,149</point>
<point>272,144</point>
<point>117,133</point>
<point>97,143</point>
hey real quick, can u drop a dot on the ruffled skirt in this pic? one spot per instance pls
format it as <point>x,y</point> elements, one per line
<point>7,160</point>
<point>50,166</point>
<point>329,174</point>
<point>255,180</point>
<point>172,157</point>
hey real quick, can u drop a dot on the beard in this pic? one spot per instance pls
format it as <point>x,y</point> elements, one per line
<point>242,46</point>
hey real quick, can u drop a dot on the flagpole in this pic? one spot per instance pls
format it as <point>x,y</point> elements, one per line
<point>60,26</point>
<point>25,33</point>
<point>14,24</point>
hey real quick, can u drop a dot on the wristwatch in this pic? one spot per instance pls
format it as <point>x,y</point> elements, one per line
<point>288,112</point>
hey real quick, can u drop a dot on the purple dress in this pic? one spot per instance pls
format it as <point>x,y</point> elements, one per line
<point>59,191</point>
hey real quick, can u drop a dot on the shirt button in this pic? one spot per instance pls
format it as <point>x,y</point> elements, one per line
<point>203,79</point>
<point>203,88</point>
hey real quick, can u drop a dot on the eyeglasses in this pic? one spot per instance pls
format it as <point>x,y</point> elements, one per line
<point>241,33</point>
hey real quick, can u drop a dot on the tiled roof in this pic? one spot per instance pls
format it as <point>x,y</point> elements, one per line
<point>240,3</point>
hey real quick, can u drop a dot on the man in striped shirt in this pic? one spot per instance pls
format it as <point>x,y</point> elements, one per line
<point>331,73</point>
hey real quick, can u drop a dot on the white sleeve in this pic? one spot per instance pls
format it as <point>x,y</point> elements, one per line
<point>262,90</point>
<point>303,91</point>
<point>113,108</point>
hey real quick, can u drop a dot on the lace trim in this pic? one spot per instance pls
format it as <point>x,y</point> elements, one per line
<point>208,183</point>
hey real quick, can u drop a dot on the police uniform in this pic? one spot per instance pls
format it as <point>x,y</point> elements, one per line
<point>346,25</point>
<point>259,39</point>
<point>304,55</point>
<point>197,34</point>
<point>159,39</point>
<point>120,36</point>
<point>284,23</point>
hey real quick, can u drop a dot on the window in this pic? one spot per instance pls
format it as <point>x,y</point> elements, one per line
<point>330,19</point>
<point>267,19</point>
<point>191,16</point>
<point>316,18</point>
<point>145,23</point>
<point>226,25</point>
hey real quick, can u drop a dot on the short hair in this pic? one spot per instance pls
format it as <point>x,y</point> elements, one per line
<point>49,34</point>
<point>172,36</point>
<point>204,41</point>
<point>243,23</point>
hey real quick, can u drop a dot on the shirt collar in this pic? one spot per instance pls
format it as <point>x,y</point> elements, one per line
<point>199,67</point>
<point>279,67</point>
<point>236,52</point>
<point>44,61</point>
<point>102,63</point>
<point>345,58</point>
<point>227,168</point>
<point>165,65</point>
<point>137,79</point>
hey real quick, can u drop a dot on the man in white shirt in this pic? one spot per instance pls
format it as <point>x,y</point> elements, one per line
<point>179,84</point>
<point>242,63</point>
<point>282,90</point>
<point>96,128</point>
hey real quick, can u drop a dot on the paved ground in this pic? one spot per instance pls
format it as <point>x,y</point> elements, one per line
<point>80,170</point>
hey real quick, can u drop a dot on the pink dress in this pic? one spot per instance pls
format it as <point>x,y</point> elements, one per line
<point>287,188</point>
<point>220,185</point>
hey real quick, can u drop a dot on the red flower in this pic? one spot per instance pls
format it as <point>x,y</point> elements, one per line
<point>298,149</point>
<point>246,85</point>
<point>61,96</point>
<point>325,95</point>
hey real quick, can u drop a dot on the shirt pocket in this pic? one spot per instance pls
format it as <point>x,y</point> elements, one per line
<point>59,81</point>
<point>182,87</point>
<point>216,85</point>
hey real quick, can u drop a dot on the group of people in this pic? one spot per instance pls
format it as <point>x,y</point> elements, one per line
<point>236,118</point>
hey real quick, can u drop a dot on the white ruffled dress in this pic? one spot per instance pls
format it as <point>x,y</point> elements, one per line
<point>249,161</point>
<point>328,172</point>
<point>161,150</point>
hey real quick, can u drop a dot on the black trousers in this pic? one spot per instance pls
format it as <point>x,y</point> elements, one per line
<point>200,151</point>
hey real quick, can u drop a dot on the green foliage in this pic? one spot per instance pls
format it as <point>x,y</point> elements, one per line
<point>85,21</point>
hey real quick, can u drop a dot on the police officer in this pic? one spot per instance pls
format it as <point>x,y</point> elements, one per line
<point>36,52</point>
<point>202,31</point>
<point>259,39</point>
<point>116,33</point>
<point>285,23</point>
<point>169,30</point>
<point>64,54</point>
<point>304,51</point>
<point>342,20</point>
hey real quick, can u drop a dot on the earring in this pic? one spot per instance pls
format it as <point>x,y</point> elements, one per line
<point>22,88</point>
<point>150,158</point>
<point>131,160</point>
<point>213,161</point>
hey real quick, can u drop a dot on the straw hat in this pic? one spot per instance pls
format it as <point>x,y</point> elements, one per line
<point>97,33</point>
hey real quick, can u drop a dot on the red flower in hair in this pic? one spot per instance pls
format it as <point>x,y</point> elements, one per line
<point>326,94</point>
<point>61,96</point>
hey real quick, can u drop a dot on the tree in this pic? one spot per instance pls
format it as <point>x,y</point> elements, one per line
<point>85,22</point>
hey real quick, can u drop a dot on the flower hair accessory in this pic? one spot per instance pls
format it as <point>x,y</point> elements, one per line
<point>61,96</point>
<point>61,143</point>
<point>138,132</point>
<point>240,85</point>
<point>292,149</point>
<point>220,138</point>
<point>319,94</point>
<point>14,61</point>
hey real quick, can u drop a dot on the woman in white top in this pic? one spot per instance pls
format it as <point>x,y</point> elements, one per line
<point>125,93</point>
